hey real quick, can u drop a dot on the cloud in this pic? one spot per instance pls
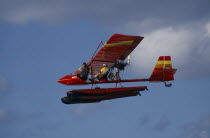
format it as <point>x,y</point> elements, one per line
<point>162,124</point>
<point>145,119</point>
<point>159,123</point>
<point>4,85</point>
<point>188,46</point>
<point>197,129</point>
<point>4,115</point>
<point>84,109</point>
<point>24,11</point>
<point>208,29</point>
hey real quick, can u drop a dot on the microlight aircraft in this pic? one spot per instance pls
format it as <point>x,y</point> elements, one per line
<point>113,53</point>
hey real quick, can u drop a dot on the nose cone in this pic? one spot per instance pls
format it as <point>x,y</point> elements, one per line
<point>61,81</point>
<point>64,80</point>
<point>71,80</point>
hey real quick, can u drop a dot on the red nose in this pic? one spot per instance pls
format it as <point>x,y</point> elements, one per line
<point>61,81</point>
<point>71,80</point>
<point>64,80</point>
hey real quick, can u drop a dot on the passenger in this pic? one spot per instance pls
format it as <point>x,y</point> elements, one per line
<point>102,74</point>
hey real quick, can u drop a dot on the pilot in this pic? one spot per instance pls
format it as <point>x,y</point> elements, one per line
<point>102,74</point>
<point>84,72</point>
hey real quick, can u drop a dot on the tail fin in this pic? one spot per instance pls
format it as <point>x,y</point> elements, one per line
<point>163,70</point>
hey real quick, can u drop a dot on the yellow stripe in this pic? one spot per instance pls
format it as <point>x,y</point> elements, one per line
<point>163,66</point>
<point>119,43</point>
<point>164,62</point>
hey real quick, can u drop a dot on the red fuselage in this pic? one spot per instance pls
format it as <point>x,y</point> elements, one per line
<point>72,80</point>
<point>75,80</point>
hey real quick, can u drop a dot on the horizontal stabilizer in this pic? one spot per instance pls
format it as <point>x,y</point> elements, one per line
<point>163,70</point>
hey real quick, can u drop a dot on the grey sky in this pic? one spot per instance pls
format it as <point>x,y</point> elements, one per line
<point>197,129</point>
<point>179,11</point>
<point>162,124</point>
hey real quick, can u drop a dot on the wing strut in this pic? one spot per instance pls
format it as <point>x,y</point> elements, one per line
<point>101,43</point>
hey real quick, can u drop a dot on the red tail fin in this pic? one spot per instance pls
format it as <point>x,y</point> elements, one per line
<point>163,70</point>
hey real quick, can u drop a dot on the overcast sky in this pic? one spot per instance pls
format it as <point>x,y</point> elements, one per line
<point>43,40</point>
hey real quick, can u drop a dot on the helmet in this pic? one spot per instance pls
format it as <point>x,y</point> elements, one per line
<point>104,65</point>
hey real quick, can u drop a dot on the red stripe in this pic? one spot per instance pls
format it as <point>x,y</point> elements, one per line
<point>164,58</point>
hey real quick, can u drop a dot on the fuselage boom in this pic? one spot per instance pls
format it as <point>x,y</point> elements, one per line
<point>75,80</point>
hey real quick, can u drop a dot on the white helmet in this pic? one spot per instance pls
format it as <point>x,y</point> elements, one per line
<point>104,65</point>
